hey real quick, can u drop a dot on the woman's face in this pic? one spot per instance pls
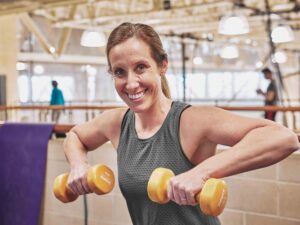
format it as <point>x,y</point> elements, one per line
<point>136,75</point>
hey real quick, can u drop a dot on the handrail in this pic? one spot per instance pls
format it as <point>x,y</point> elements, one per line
<point>57,107</point>
<point>64,128</point>
<point>290,121</point>
<point>106,107</point>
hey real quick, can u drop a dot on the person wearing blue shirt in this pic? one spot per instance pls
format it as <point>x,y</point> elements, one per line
<point>57,98</point>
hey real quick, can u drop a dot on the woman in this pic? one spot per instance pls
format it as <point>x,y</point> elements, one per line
<point>157,132</point>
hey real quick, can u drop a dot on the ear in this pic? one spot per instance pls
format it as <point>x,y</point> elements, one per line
<point>164,67</point>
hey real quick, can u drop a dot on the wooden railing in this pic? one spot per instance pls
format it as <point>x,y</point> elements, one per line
<point>106,107</point>
<point>89,111</point>
<point>64,128</point>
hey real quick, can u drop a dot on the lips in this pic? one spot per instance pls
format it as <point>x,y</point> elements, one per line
<point>136,96</point>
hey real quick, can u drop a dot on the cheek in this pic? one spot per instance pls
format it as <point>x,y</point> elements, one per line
<point>118,83</point>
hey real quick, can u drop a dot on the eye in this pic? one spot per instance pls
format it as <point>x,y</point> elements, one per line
<point>140,68</point>
<point>118,72</point>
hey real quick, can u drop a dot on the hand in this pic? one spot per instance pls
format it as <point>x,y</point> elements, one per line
<point>77,179</point>
<point>184,187</point>
<point>259,91</point>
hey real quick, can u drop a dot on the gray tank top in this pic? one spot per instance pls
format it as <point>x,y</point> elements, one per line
<point>137,158</point>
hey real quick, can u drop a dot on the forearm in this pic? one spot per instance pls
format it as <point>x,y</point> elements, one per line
<point>74,150</point>
<point>261,147</point>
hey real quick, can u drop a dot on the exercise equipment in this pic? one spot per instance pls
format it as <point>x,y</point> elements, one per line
<point>100,180</point>
<point>212,198</point>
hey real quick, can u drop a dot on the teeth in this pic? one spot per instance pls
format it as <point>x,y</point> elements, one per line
<point>136,96</point>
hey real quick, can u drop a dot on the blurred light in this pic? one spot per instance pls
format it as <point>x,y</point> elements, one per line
<point>91,70</point>
<point>282,33</point>
<point>233,25</point>
<point>279,57</point>
<point>20,66</point>
<point>38,69</point>
<point>259,64</point>
<point>92,38</point>
<point>197,60</point>
<point>229,52</point>
<point>248,41</point>
<point>52,49</point>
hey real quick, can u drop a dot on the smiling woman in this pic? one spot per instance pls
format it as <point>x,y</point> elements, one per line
<point>155,131</point>
<point>137,76</point>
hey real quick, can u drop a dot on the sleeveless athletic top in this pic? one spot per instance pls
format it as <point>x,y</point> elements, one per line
<point>137,158</point>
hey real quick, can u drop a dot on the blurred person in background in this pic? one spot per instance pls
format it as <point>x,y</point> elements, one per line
<point>270,95</point>
<point>57,98</point>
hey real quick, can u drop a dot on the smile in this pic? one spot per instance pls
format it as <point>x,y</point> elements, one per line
<point>136,96</point>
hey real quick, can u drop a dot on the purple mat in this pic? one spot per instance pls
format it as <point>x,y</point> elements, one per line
<point>23,152</point>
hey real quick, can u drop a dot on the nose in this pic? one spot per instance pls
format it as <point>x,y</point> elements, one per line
<point>132,81</point>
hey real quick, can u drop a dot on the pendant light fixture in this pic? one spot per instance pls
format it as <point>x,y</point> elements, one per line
<point>92,38</point>
<point>233,25</point>
<point>282,33</point>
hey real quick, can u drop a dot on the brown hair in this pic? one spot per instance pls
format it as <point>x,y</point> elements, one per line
<point>145,33</point>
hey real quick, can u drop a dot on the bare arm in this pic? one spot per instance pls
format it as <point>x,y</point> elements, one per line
<point>86,137</point>
<point>255,143</point>
<point>269,95</point>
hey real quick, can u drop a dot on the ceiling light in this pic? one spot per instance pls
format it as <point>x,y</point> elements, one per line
<point>21,66</point>
<point>282,33</point>
<point>198,60</point>
<point>92,38</point>
<point>229,52</point>
<point>38,69</point>
<point>233,25</point>
<point>259,64</point>
<point>279,57</point>
<point>52,49</point>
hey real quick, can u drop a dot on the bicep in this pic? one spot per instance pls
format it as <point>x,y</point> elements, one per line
<point>103,128</point>
<point>228,128</point>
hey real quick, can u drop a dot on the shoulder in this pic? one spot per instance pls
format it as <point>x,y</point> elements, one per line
<point>113,116</point>
<point>203,117</point>
<point>102,128</point>
<point>197,117</point>
<point>200,112</point>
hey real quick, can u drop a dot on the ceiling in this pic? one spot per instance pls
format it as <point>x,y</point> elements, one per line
<point>193,19</point>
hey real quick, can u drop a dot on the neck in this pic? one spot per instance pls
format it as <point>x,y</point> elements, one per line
<point>154,117</point>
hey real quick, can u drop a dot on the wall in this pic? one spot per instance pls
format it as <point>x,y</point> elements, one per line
<point>269,196</point>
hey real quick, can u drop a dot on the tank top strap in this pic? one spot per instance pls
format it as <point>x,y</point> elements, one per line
<point>172,122</point>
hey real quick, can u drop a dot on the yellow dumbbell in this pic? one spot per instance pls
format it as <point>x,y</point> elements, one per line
<point>100,180</point>
<point>212,198</point>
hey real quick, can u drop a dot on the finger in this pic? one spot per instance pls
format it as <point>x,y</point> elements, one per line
<point>86,186</point>
<point>191,198</point>
<point>174,194</point>
<point>73,187</point>
<point>183,198</point>
<point>170,193</point>
<point>177,196</point>
<point>80,186</point>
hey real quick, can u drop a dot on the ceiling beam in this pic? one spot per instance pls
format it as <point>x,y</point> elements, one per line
<point>66,33</point>
<point>32,27</point>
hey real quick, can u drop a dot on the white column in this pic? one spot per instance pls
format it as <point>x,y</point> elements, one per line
<point>8,56</point>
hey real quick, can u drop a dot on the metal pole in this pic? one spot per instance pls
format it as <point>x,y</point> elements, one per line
<point>280,86</point>
<point>183,57</point>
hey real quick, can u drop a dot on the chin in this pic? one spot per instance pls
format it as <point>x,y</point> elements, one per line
<point>138,107</point>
